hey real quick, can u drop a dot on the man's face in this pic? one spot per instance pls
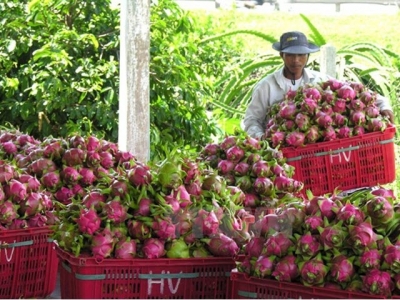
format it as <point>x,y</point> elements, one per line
<point>295,62</point>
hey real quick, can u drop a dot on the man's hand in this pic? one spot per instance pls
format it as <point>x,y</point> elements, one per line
<point>389,114</point>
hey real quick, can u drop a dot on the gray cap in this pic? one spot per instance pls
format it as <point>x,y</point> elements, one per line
<point>294,42</point>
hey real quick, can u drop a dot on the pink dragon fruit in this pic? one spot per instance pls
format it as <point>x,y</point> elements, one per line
<point>344,132</point>
<point>51,180</point>
<point>235,153</point>
<point>309,106</point>
<point>211,149</point>
<point>287,110</point>
<point>323,119</point>
<point>370,259</point>
<point>205,223</point>
<point>94,198</point>
<point>70,175</point>
<point>264,266</point>
<point>31,205</point>
<point>225,166</point>
<point>377,282</point>
<point>350,214</point>
<point>228,142</point>
<point>64,195</point>
<point>362,236</point>
<point>153,248</point>
<point>358,130</point>
<point>255,246</point>
<point>115,211</point>
<point>313,272</point>
<point>286,269</point>
<point>140,175</point>
<point>221,245</point>
<point>346,92</point>
<point>367,97</point>
<point>391,258</point>
<point>263,186</point>
<point>307,245</point>
<point>31,182</point>
<point>312,92</point>
<point>87,176</point>
<point>261,168</point>
<point>341,269</point>
<point>295,139</point>
<point>88,221</point>
<point>15,190</point>
<point>332,236</point>
<point>327,95</point>
<point>358,118</point>
<point>339,106</point>
<point>313,134</point>
<point>279,244</point>
<point>38,220</point>
<point>302,121</point>
<point>312,222</point>
<point>102,245</point>
<point>74,157</point>
<point>380,209</point>
<point>242,168</point>
<point>125,248</point>
<point>138,230</point>
<point>376,124</point>
<point>372,111</point>
<point>107,160</point>
<point>8,212</point>
<point>357,105</point>
<point>164,228</point>
<point>93,159</point>
<point>329,134</point>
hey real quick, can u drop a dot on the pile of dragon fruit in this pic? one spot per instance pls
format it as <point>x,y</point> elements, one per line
<point>258,172</point>
<point>326,111</point>
<point>102,202</point>
<point>338,242</point>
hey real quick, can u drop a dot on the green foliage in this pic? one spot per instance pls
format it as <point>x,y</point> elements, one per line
<point>60,66</point>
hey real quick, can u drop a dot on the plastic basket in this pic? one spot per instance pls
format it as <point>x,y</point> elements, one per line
<point>356,162</point>
<point>162,278</point>
<point>28,263</point>
<point>246,287</point>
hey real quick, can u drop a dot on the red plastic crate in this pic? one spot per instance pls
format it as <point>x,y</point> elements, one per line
<point>162,278</point>
<point>246,287</point>
<point>361,161</point>
<point>28,263</point>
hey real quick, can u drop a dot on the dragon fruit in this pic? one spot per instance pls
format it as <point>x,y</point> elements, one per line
<point>31,182</point>
<point>102,245</point>
<point>264,266</point>
<point>88,221</point>
<point>125,248</point>
<point>391,258</point>
<point>307,245</point>
<point>263,186</point>
<point>370,259</point>
<point>350,214</point>
<point>31,205</point>
<point>377,282</point>
<point>235,153</point>
<point>302,121</point>
<point>332,236</point>
<point>87,176</point>
<point>313,272</point>
<point>341,269</point>
<point>115,211</point>
<point>177,248</point>
<point>153,248</point>
<point>15,190</point>
<point>286,269</point>
<point>221,245</point>
<point>346,92</point>
<point>94,198</point>
<point>70,175</point>
<point>287,110</point>
<point>312,222</point>
<point>278,244</point>
<point>205,223</point>
<point>51,180</point>
<point>140,175</point>
<point>138,229</point>
<point>295,139</point>
<point>309,105</point>
<point>225,166</point>
<point>254,246</point>
<point>74,157</point>
<point>362,236</point>
<point>164,228</point>
<point>8,212</point>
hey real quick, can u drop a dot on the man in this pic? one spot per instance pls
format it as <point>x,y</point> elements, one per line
<point>294,49</point>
